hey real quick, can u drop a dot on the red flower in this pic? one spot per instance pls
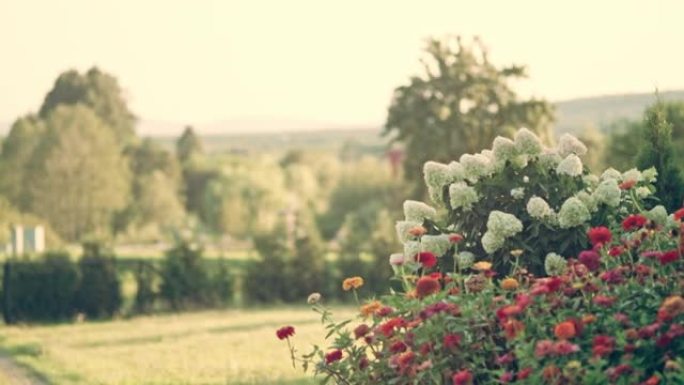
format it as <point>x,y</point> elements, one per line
<point>333,356</point>
<point>427,259</point>
<point>405,359</point>
<point>668,257</point>
<point>425,348</point>
<point>455,238</point>
<point>361,331</point>
<point>462,377</point>
<point>599,235</point>
<point>633,222</point>
<point>563,348</point>
<point>451,341</point>
<point>523,300</point>
<point>543,348</point>
<point>506,378</point>
<point>398,347</point>
<point>590,259</point>
<point>679,214</point>
<point>603,300</point>
<point>628,184</point>
<point>512,328</point>
<point>653,380</point>
<point>387,328</point>
<point>426,286</point>
<point>523,374</point>
<point>285,332</point>
<point>612,276</point>
<point>603,345</point>
<point>616,250</point>
<point>565,330</point>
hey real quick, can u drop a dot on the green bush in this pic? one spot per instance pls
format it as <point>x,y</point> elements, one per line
<point>265,279</point>
<point>99,292</point>
<point>41,290</point>
<point>185,282</point>
<point>145,295</point>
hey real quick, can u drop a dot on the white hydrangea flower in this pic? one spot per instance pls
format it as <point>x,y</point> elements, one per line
<point>418,211</point>
<point>476,166</point>
<point>504,149</point>
<point>462,196</point>
<point>608,192</point>
<point>554,264</point>
<point>465,259</point>
<point>549,159</point>
<point>489,154</point>
<point>519,162</point>
<point>568,144</point>
<point>396,259</point>
<point>571,165</point>
<point>632,174</point>
<point>591,180</point>
<point>611,173</point>
<point>588,200</point>
<point>436,244</point>
<point>457,171</point>
<point>573,213</point>
<point>411,249</point>
<point>527,142</point>
<point>518,193</point>
<point>650,175</point>
<point>403,228</point>
<point>436,195</point>
<point>658,215</point>
<point>503,225</point>
<point>436,174</point>
<point>492,242</point>
<point>538,208</point>
<point>526,179</point>
<point>642,192</point>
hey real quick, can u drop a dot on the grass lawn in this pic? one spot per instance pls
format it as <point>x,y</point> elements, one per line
<point>212,347</point>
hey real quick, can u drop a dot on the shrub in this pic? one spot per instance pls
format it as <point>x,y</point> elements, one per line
<point>40,290</point>
<point>185,282</point>
<point>613,314</point>
<point>145,294</point>
<point>99,292</point>
<point>518,196</point>
<point>222,284</point>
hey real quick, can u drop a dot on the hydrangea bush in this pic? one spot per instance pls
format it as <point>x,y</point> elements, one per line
<point>520,195</point>
<point>611,314</point>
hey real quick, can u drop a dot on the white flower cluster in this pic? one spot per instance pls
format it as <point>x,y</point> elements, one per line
<point>518,193</point>
<point>573,213</point>
<point>588,200</point>
<point>571,165</point>
<point>643,191</point>
<point>554,264</point>
<point>549,159</point>
<point>476,166</point>
<point>538,208</point>
<point>650,175</point>
<point>504,149</point>
<point>436,175</point>
<point>465,259</point>
<point>462,196</point>
<point>611,173</point>
<point>658,215</point>
<point>436,244</point>
<point>500,226</point>
<point>418,211</point>
<point>411,249</point>
<point>569,144</point>
<point>608,192</point>
<point>527,142</point>
<point>633,174</point>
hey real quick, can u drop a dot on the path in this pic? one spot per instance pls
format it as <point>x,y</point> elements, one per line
<point>13,374</point>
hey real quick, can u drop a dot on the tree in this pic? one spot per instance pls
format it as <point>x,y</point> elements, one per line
<point>458,105</point>
<point>99,91</point>
<point>79,177</point>
<point>188,146</point>
<point>658,151</point>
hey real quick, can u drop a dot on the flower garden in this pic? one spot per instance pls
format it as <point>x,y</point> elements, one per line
<point>527,269</point>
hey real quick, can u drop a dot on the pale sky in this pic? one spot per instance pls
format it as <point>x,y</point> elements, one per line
<point>202,62</point>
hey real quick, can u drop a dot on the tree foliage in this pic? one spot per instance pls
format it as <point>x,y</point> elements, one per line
<point>459,104</point>
<point>189,146</point>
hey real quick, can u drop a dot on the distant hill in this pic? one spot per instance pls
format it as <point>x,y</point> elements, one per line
<point>576,114</point>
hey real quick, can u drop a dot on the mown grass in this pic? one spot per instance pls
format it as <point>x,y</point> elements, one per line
<point>213,347</point>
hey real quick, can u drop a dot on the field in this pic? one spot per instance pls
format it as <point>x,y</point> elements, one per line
<point>213,347</point>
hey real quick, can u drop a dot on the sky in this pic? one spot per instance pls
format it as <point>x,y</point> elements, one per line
<point>332,63</point>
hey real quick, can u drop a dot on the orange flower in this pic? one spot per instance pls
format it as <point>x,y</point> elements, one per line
<point>352,283</point>
<point>588,319</point>
<point>370,308</point>
<point>509,284</point>
<point>550,373</point>
<point>512,328</point>
<point>565,330</point>
<point>483,266</point>
<point>411,294</point>
<point>417,231</point>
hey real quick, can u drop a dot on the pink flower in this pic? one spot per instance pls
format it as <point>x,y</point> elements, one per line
<point>451,341</point>
<point>462,377</point>
<point>591,259</point>
<point>603,345</point>
<point>603,300</point>
<point>543,348</point>
<point>564,347</point>
<point>333,356</point>
<point>668,257</point>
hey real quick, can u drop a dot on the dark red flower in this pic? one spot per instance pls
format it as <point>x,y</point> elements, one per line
<point>616,250</point>
<point>599,235</point>
<point>398,347</point>
<point>603,300</point>
<point>506,378</point>
<point>634,221</point>
<point>363,363</point>
<point>668,257</point>
<point>523,374</point>
<point>603,345</point>
<point>663,341</point>
<point>427,259</point>
<point>613,276</point>
<point>591,259</point>
<point>427,285</point>
<point>361,331</point>
<point>285,332</point>
<point>462,377</point>
<point>451,341</point>
<point>679,214</point>
<point>333,356</point>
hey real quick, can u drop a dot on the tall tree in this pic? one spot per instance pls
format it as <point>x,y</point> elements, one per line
<point>459,104</point>
<point>99,91</point>
<point>79,177</point>
<point>658,151</point>
<point>188,146</point>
